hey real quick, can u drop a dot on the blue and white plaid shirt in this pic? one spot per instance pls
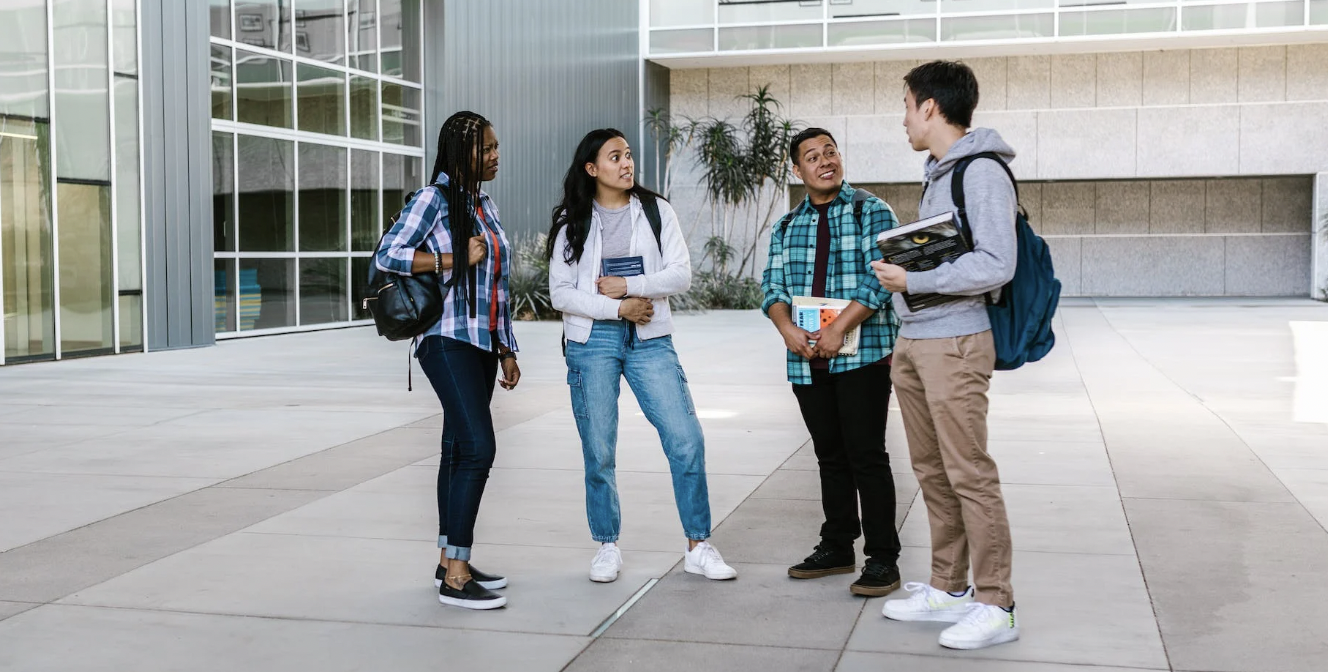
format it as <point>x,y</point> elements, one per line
<point>792,260</point>
<point>424,225</point>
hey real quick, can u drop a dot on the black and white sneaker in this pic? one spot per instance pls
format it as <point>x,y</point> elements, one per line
<point>486,580</point>
<point>471,596</point>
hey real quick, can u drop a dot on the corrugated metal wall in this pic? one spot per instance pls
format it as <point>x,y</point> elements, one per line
<point>177,183</point>
<point>544,72</point>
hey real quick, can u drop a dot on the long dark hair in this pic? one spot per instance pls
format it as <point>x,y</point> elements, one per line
<point>461,157</point>
<point>579,196</point>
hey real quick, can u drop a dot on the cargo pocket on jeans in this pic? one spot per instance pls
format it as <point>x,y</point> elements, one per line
<point>578,394</point>
<point>686,392</point>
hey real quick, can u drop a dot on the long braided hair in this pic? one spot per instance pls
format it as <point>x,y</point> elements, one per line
<point>461,158</point>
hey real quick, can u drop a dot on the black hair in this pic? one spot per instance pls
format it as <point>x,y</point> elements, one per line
<point>579,196</point>
<point>951,84</point>
<point>461,158</point>
<point>804,136</point>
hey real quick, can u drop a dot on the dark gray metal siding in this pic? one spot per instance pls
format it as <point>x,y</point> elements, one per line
<point>177,178</point>
<point>544,73</point>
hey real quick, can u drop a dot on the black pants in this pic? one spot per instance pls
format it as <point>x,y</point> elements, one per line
<point>845,413</point>
<point>463,376</point>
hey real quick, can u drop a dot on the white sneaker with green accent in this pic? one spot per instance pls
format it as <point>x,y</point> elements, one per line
<point>984,625</point>
<point>928,604</point>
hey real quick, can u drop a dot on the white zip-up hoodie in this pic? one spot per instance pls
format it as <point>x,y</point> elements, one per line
<point>572,286</point>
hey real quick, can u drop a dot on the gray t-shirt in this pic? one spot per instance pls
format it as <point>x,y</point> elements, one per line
<point>616,230</point>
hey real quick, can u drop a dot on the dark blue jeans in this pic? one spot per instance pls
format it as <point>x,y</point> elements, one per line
<point>463,376</point>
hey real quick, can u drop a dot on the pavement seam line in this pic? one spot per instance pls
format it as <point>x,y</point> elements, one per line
<point>618,613</point>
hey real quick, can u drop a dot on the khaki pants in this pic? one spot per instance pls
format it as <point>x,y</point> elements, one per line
<point>941,385</point>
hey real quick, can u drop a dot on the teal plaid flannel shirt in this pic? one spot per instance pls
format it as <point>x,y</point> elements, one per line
<point>788,273</point>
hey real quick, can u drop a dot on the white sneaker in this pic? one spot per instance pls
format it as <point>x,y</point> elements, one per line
<point>928,604</point>
<point>604,568</point>
<point>706,560</point>
<point>984,625</point>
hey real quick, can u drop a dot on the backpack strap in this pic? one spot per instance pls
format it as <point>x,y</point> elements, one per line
<point>651,208</point>
<point>957,194</point>
<point>860,197</point>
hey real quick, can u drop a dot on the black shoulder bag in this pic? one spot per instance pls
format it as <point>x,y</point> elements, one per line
<point>403,306</point>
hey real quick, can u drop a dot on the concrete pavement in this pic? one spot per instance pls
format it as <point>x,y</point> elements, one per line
<point>268,504</point>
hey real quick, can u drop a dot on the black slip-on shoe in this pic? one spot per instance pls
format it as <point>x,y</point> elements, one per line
<point>471,596</point>
<point>878,579</point>
<point>489,581</point>
<point>824,561</point>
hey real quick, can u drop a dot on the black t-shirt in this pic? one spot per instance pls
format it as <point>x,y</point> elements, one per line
<point>821,268</point>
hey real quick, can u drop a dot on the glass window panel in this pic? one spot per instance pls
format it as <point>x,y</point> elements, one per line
<point>402,175</point>
<point>266,211</point>
<point>322,198</point>
<point>1229,17</point>
<point>882,32</point>
<point>86,291</point>
<point>23,60</point>
<point>82,98</point>
<point>131,322</point>
<point>223,292</point>
<point>745,11</point>
<point>1318,12</point>
<point>997,27</point>
<point>25,239</point>
<point>402,51</point>
<point>362,34</point>
<point>862,9</point>
<point>323,296</point>
<point>363,107</point>
<point>264,23</point>
<point>958,6</point>
<point>359,279</point>
<point>769,37</point>
<point>366,223</point>
<point>267,293</point>
<point>681,41</point>
<point>124,30</point>
<point>128,223</point>
<point>320,30</point>
<point>1156,20</point>
<point>401,114</point>
<point>322,104</point>
<point>665,13</point>
<point>223,192</point>
<point>219,15</point>
<point>221,82</point>
<point>262,89</point>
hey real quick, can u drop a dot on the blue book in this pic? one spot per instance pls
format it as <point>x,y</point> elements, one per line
<point>622,267</point>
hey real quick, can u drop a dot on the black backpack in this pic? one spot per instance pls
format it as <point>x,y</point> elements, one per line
<point>403,306</point>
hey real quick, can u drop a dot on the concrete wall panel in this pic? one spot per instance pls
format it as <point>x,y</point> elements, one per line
<point>1122,207</point>
<point>1120,79</point>
<point>1285,202</point>
<point>727,85</point>
<point>1069,208</point>
<point>1213,75</point>
<point>1154,266</point>
<point>1283,138</point>
<point>1065,258</point>
<point>777,77</point>
<point>1189,141</point>
<point>1263,72</point>
<point>889,85</point>
<point>812,94</point>
<point>1166,77</point>
<point>876,150</point>
<point>1020,131</point>
<point>1076,144</point>
<point>854,87</point>
<point>993,91</point>
<point>1177,206</point>
<point>689,93</point>
<point>1307,76</point>
<point>1275,265</point>
<point>1029,82</point>
<point>1073,81</point>
<point>1233,206</point>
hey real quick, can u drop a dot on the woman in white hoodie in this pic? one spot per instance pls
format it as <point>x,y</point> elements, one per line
<point>616,255</point>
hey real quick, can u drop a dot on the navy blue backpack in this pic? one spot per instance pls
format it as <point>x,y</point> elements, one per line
<point>1021,318</point>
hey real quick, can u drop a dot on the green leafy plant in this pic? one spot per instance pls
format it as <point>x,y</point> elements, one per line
<point>528,284</point>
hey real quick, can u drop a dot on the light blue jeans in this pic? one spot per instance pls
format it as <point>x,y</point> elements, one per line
<point>594,372</point>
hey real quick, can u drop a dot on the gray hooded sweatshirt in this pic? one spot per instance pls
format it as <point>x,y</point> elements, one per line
<point>991,204</point>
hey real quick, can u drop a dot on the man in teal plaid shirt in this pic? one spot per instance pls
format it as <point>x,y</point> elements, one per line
<point>824,248</point>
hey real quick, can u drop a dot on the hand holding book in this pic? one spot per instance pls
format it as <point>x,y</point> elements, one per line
<point>920,246</point>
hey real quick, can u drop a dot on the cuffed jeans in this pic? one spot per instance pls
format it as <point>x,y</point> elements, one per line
<point>594,373</point>
<point>463,376</point>
<point>845,414</point>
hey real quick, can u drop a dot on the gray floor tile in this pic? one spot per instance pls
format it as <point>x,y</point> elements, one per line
<point>375,581</point>
<point>1225,577</point>
<point>1051,518</point>
<point>1052,463</point>
<point>8,609</point>
<point>954,661</point>
<point>608,654</point>
<point>346,465</point>
<point>1061,622</point>
<point>803,484</point>
<point>75,639</point>
<point>763,607</point>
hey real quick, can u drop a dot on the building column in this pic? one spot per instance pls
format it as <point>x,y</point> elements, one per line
<point>1319,239</point>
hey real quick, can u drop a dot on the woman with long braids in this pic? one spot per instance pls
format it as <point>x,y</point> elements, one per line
<point>616,255</point>
<point>461,354</point>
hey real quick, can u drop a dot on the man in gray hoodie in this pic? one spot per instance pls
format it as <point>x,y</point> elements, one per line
<point>943,363</point>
